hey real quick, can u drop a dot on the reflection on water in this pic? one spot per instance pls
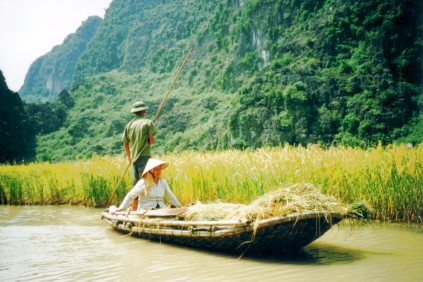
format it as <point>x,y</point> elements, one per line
<point>320,254</point>
<point>73,244</point>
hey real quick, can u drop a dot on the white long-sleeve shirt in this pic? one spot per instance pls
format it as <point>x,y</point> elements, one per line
<point>155,195</point>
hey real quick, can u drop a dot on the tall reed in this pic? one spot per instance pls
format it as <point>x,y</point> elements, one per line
<point>390,179</point>
<point>76,183</point>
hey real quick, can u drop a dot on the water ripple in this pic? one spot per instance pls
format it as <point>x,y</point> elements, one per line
<point>72,244</point>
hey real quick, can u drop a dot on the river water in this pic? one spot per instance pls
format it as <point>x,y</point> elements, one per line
<point>62,243</point>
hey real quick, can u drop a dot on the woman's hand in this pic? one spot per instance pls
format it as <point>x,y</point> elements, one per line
<point>114,210</point>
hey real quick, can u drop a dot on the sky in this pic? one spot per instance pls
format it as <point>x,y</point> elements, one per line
<point>31,28</point>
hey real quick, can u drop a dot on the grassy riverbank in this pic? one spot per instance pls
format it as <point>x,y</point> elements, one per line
<point>389,179</point>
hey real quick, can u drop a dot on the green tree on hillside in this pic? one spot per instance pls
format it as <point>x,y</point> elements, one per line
<point>15,141</point>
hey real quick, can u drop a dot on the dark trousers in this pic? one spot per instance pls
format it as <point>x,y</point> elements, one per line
<point>138,168</point>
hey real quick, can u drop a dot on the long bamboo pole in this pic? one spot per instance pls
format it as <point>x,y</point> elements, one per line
<point>171,86</point>
<point>154,118</point>
<point>117,185</point>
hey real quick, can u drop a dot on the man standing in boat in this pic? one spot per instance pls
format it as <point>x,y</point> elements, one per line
<point>137,138</point>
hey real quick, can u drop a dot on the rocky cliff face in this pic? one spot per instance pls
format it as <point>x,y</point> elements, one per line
<point>54,71</point>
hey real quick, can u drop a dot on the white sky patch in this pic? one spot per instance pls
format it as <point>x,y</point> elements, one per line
<point>31,28</point>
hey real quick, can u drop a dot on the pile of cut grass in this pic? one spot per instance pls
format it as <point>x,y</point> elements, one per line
<point>293,199</point>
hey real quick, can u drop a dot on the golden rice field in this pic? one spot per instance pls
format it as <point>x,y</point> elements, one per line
<point>389,179</point>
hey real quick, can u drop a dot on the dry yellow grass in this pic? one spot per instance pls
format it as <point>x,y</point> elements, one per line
<point>389,178</point>
<point>283,201</point>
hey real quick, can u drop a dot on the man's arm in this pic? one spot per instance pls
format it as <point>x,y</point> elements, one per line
<point>128,152</point>
<point>151,139</point>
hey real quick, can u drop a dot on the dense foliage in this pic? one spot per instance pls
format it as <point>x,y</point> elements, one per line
<point>14,137</point>
<point>263,73</point>
<point>337,71</point>
<point>48,117</point>
<point>21,122</point>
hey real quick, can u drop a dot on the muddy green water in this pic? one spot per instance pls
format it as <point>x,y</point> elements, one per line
<point>72,244</point>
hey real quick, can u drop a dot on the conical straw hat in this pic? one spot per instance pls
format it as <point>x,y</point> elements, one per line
<point>152,163</point>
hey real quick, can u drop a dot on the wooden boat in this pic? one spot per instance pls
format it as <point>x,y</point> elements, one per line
<point>277,235</point>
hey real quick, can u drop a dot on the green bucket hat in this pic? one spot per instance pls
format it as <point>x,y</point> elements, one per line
<point>138,107</point>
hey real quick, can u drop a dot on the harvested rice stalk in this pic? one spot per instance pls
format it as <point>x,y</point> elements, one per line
<point>359,212</point>
<point>212,211</point>
<point>296,198</point>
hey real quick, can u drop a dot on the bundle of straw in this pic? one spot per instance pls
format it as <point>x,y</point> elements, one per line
<point>296,198</point>
<point>212,211</point>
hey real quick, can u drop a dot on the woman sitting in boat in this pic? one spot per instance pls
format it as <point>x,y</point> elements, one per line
<point>151,189</point>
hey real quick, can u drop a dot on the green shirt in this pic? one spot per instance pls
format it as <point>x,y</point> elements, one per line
<point>136,134</point>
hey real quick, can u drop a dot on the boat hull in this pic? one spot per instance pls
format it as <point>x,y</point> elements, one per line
<point>276,236</point>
